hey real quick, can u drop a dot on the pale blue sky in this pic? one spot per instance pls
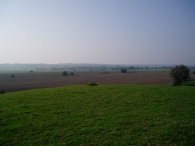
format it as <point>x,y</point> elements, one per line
<point>97,31</point>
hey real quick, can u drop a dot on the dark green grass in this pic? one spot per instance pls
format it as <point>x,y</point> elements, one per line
<point>189,83</point>
<point>100,115</point>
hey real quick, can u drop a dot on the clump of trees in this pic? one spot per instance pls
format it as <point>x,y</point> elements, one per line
<point>65,73</point>
<point>179,74</point>
<point>123,70</point>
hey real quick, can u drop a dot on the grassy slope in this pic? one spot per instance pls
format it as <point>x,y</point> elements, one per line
<point>101,115</point>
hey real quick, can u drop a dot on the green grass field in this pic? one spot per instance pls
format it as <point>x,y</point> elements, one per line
<point>99,115</point>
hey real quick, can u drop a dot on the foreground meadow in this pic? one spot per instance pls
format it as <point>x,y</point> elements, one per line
<point>99,115</point>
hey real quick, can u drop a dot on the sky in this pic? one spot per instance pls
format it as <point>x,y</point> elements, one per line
<point>97,31</point>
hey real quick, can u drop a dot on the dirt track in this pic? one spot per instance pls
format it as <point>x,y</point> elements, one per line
<point>43,80</point>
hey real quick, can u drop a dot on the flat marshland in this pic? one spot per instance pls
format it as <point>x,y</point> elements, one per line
<point>99,115</point>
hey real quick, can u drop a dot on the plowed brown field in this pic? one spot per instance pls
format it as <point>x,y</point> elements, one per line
<point>44,80</point>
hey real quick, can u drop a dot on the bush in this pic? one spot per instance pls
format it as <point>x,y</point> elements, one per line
<point>179,74</point>
<point>31,71</point>
<point>92,84</point>
<point>65,73</point>
<point>2,91</point>
<point>71,73</point>
<point>12,76</point>
<point>123,70</point>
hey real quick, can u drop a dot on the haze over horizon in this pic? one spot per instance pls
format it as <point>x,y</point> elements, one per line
<point>97,31</point>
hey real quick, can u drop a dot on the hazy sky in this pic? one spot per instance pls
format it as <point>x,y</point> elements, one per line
<point>97,31</point>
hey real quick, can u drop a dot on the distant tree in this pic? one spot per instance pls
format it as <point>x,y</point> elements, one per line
<point>123,70</point>
<point>179,74</point>
<point>31,71</point>
<point>194,72</point>
<point>65,73</point>
<point>12,76</point>
<point>71,73</point>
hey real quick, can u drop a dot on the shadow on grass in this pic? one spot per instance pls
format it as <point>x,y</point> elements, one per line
<point>189,83</point>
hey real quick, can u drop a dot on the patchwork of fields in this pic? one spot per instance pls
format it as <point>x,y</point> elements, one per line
<point>99,115</point>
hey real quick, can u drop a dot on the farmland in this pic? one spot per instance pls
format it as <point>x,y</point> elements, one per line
<point>22,81</point>
<point>100,115</point>
<point>134,108</point>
